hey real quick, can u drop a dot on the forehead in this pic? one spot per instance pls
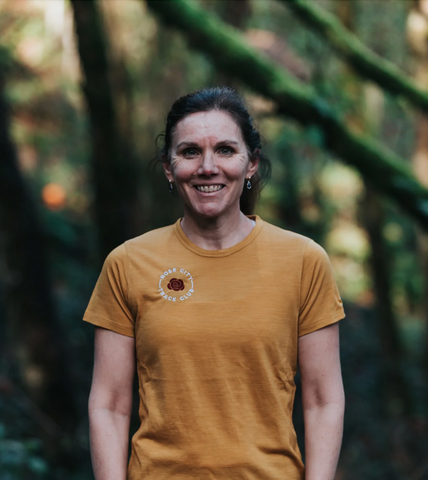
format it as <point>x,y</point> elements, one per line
<point>205,126</point>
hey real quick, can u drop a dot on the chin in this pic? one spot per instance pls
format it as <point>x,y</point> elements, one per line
<point>208,211</point>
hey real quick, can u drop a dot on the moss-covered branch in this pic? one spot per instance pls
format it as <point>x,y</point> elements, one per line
<point>364,61</point>
<point>230,53</point>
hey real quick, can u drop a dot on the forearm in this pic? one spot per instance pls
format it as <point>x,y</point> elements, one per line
<point>109,433</point>
<point>323,439</point>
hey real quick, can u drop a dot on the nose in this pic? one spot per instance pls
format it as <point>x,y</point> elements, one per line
<point>208,165</point>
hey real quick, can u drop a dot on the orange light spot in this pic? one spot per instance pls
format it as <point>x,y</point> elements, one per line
<point>53,196</point>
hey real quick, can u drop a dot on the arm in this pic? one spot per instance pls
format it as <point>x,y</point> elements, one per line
<point>323,401</point>
<point>110,404</point>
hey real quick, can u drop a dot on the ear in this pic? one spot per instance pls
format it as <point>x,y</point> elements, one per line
<point>253,164</point>
<point>167,168</point>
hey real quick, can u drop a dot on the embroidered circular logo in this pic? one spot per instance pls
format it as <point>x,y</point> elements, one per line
<point>175,285</point>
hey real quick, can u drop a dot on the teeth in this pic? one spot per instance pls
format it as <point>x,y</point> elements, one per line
<point>210,188</point>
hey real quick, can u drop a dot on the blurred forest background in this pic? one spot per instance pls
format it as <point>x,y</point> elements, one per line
<point>339,90</point>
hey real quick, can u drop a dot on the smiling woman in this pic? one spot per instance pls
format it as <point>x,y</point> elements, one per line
<point>220,309</point>
<point>208,164</point>
<point>226,102</point>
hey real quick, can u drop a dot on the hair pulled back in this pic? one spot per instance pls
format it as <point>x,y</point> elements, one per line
<point>226,100</point>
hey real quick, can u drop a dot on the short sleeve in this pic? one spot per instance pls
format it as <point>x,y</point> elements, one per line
<point>108,306</point>
<point>320,302</point>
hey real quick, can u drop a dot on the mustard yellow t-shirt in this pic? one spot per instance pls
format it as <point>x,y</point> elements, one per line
<point>216,339</point>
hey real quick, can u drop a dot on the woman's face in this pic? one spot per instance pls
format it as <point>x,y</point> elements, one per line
<point>209,163</point>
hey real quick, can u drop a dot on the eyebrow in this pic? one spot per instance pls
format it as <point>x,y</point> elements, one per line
<point>193,144</point>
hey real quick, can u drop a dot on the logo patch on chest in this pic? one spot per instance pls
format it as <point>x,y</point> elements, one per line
<point>176,285</point>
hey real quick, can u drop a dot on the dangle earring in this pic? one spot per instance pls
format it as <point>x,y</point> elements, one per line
<point>248,183</point>
<point>171,186</point>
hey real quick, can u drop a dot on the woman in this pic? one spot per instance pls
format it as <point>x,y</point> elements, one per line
<point>216,312</point>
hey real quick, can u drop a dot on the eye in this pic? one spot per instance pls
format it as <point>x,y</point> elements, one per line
<point>190,153</point>
<point>226,151</point>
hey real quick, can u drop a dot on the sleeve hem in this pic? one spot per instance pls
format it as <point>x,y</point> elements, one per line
<point>301,272</point>
<point>109,325</point>
<point>323,322</point>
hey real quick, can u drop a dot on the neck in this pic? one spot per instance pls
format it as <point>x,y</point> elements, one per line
<point>216,233</point>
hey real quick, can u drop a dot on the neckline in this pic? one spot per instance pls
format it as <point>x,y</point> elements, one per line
<point>225,251</point>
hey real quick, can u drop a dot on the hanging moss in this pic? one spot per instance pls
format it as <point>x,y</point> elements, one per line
<point>364,61</point>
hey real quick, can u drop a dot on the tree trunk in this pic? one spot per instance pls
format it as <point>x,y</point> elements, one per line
<point>236,14</point>
<point>229,52</point>
<point>35,341</point>
<point>113,165</point>
<point>395,388</point>
<point>289,207</point>
<point>121,82</point>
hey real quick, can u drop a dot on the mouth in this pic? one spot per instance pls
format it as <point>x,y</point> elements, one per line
<point>209,188</point>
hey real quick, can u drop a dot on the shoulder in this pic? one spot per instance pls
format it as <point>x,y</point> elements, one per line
<point>287,239</point>
<point>153,238</point>
<point>293,245</point>
<point>117,257</point>
<point>283,236</point>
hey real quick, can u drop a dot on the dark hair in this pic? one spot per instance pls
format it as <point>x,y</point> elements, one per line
<point>224,99</point>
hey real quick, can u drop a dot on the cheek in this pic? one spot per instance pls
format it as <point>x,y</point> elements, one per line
<point>182,169</point>
<point>239,167</point>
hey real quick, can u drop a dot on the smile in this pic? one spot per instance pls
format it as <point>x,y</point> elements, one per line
<point>209,188</point>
